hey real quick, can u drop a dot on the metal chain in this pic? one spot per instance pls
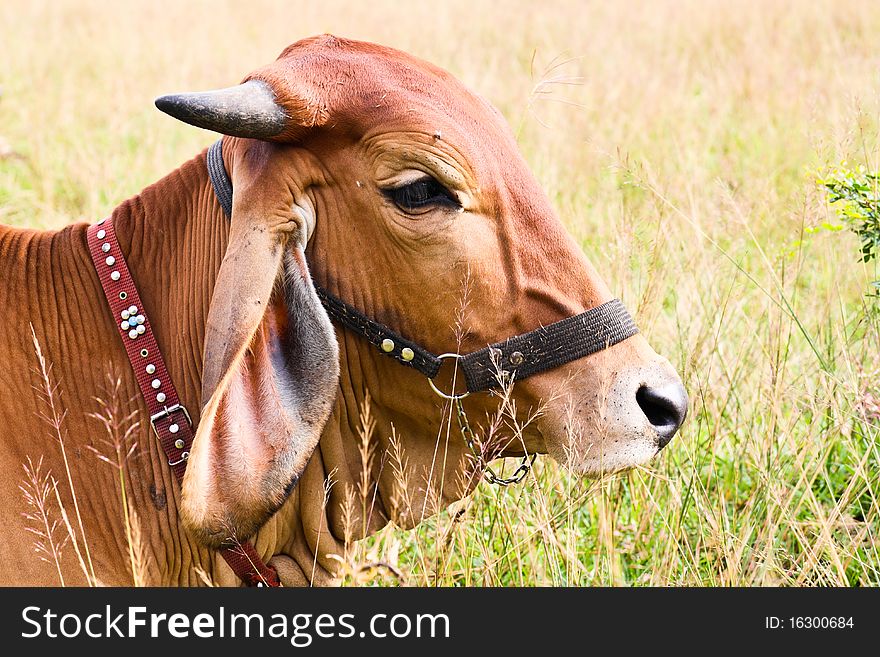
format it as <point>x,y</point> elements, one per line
<point>468,435</point>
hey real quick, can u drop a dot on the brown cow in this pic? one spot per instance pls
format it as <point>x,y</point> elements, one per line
<point>406,193</point>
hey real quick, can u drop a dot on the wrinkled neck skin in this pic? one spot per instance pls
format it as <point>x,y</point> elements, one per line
<point>173,240</point>
<point>174,236</point>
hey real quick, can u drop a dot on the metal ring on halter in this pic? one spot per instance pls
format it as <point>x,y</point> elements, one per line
<point>453,396</point>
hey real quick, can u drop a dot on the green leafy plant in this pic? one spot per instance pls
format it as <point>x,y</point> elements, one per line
<point>855,195</point>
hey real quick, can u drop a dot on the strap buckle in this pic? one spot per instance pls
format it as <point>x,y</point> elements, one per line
<point>168,411</point>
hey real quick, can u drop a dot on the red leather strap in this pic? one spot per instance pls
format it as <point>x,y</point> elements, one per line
<point>170,421</point>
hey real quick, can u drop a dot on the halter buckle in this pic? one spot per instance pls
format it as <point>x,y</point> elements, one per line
<point>168,411</point>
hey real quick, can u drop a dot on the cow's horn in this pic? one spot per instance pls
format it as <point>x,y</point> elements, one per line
<point>247,110</point>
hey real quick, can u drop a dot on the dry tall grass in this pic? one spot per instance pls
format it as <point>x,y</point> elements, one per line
<point>679,142</point>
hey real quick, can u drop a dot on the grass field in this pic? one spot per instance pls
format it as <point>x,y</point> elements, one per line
<point>680,142</point>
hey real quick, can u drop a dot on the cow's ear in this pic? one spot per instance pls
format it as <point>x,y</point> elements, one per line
<point>270,360</point>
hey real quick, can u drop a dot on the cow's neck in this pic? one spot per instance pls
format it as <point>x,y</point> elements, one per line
<point>173,238</point>
<point>173,235</point>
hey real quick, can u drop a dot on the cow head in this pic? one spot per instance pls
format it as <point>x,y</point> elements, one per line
<point>412,195</point>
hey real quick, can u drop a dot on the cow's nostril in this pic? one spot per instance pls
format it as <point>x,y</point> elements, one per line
<point>665,407</point>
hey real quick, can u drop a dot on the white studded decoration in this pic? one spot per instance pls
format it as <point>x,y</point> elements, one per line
<point>156,383</point>
<point>151,369</point>
<point>114,275</point>
<point>160,397</point>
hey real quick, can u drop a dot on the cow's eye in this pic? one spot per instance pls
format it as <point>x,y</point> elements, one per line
<point>421,195</point>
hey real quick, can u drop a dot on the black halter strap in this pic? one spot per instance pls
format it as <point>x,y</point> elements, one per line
<point>522,356</point>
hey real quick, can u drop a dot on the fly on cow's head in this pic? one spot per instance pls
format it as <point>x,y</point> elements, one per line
<point>397,185</point>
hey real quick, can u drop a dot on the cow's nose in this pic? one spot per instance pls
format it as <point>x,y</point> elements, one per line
<point>665,407</point>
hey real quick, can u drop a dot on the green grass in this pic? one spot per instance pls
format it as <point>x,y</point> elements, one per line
<point>678,142</point>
